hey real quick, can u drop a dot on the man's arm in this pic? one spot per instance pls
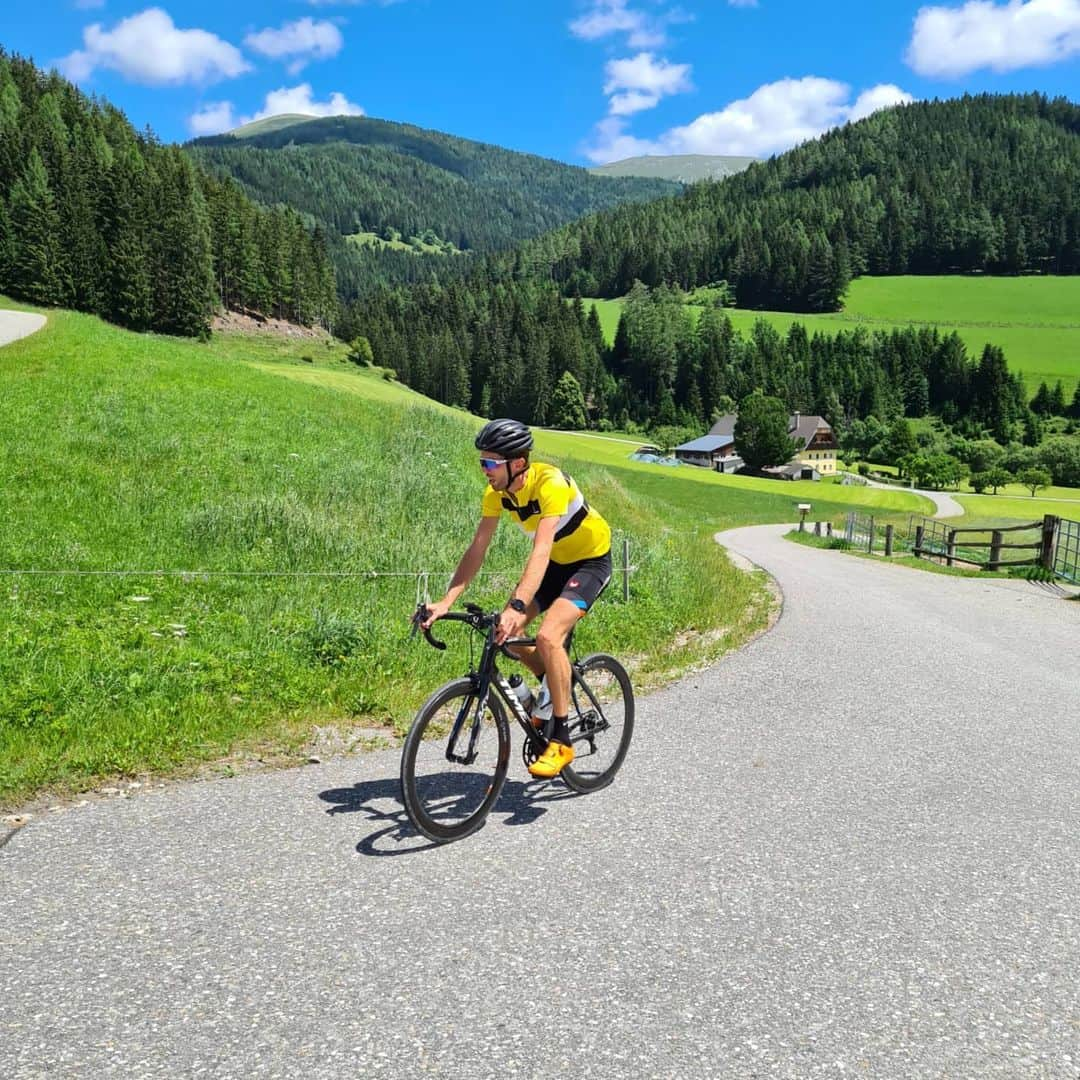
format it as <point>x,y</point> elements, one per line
<point>466,570</point>
<point>539,558</point>
<point>511,622</point>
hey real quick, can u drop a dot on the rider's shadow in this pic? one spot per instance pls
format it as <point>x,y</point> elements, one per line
<point>520,803</point>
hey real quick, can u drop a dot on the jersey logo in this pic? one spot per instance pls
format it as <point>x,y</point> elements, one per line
<point>574,584</point>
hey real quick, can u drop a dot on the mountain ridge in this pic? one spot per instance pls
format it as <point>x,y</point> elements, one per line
<point>682,168</point>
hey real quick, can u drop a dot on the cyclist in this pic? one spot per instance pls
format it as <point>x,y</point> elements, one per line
<point>568,568</point>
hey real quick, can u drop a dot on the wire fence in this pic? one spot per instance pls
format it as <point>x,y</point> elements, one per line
<point>423,578</point>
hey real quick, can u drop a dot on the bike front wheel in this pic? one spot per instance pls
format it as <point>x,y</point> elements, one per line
<point>601,722</point>
<point>447,790</point>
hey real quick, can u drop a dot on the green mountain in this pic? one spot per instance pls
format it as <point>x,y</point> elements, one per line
<point>355,175</point>
<point>682,168</point>
<point>268,124</point>
<point>984,184</point>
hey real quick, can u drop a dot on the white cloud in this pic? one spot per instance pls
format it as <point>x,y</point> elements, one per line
<point>305,39</point>
<point>298,99</point>
<point>639,82</point>
<point>212,119</point>
<point>949,42</point>
<point>882,96</point>
<point>775,117</point>
<point>644,72</point>
<point>218,116</point>
<point>608,17</point>
<point>149,48</point>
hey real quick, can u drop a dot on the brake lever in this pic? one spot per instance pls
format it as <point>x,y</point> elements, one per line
<point>419,616</point>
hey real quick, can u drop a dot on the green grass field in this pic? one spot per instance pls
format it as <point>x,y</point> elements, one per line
<point>1036,320</point>
<point>373,240</point>
<point>195,494</point>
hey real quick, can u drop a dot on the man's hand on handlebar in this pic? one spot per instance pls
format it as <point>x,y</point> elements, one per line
<point>511,624</point>
<point>432,613</point>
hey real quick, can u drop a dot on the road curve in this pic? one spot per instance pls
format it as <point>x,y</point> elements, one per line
<point>851,848</point>
<point>18,324</point>
<point>944,505</point>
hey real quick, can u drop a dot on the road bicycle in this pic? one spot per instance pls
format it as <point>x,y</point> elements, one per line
<point>457,752</point>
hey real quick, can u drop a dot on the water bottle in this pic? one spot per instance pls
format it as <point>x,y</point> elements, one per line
<point>542,708</point>
<point>522,691</point>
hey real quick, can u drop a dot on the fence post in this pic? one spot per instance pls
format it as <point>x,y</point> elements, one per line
<point>1049,534</point>
<point>828,528</point>
<point>888,541</point>
<point>849,527</point>
<point>626,569</point>
<point>817,528</point>
<point>950,550</point>
<point>995,551</point>
<point>870,538</point>
<point>919,530</point>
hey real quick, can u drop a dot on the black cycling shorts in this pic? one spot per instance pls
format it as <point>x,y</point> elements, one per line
<point>579,582</point>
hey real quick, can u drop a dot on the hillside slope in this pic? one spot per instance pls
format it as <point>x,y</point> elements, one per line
<point>985,183</point>
<point>682,168</point>
<point>282,491</point>
<point>359,175</point>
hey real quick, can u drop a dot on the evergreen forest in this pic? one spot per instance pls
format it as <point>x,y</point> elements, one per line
<point>982,183</point>
<point>98,217</point>
<point>355,174</point>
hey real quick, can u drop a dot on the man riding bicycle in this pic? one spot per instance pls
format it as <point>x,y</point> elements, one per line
<point>568,568</point>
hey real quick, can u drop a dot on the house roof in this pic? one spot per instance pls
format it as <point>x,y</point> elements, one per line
<point>706,444</point>
<point>800,427</point>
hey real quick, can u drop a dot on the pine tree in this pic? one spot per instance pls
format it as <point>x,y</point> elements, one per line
<point>567,405</point>
<point>36,258</point>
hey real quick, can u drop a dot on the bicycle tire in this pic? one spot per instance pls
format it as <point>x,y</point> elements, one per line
<point>613,691</point>
<point>447,800</point>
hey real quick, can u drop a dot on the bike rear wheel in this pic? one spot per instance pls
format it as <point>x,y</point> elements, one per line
<point>446,799</point>
<point>601,722</point>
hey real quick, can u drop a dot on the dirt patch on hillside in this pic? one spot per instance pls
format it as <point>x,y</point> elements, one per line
<point>235,322</point>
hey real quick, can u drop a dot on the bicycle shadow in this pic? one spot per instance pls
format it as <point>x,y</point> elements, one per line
<point>520,803</point>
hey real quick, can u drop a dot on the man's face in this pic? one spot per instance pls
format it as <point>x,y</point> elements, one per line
<point>494,467</point>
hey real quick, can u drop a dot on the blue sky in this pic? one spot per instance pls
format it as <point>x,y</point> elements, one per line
<point>578,80</point>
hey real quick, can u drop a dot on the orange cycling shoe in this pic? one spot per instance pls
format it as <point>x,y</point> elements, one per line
<point>552,761</point>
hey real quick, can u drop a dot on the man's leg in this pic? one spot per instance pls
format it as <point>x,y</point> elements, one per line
<point>560,619</point>
<point>528,654</point>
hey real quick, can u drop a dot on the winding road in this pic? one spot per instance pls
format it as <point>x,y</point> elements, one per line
<point>18,324</point>
<point>851,848</point>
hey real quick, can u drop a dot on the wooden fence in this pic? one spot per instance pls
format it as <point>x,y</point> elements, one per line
<point>936,539</point>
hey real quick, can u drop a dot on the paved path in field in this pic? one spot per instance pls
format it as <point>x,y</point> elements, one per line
<point>18,324</point>
<point>944,505</point>
<point>850,849</point>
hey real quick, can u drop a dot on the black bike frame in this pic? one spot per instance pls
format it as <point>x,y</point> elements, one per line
<point>487,675</point>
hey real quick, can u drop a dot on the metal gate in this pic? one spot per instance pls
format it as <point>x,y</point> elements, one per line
<point>1067,550</point>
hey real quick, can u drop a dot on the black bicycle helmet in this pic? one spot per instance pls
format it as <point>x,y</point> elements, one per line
<point>511,438</point>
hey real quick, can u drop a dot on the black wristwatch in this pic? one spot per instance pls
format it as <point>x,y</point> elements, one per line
<point>518,605</point>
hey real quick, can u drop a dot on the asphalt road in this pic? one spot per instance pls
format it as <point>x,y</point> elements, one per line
<point>850,849</point>
<point>18,324</point>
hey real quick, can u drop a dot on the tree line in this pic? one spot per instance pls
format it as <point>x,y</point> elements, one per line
<point>502,350</point>
<point>98,217</point>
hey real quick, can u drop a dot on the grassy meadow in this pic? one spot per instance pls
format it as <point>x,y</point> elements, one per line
<point>232,477</point>
<point>1035,319</point>
<point>241,523</point>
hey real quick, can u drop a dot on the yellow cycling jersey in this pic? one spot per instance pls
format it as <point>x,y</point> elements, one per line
<point>548,492</point>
